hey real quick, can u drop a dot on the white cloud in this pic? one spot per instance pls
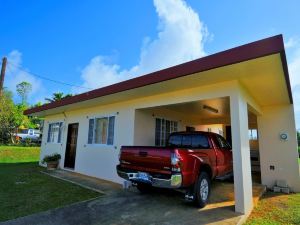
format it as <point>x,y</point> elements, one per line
<point>15,75</point>
<point>296,98</point>
<point>181,37</point>
<point>104,74</point>
<point>294,68</point>
<point>291,42</point>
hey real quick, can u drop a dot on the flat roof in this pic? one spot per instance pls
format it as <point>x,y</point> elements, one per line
<point>257,49</point>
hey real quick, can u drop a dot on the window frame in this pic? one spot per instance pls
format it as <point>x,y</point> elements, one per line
<point>107,130</point>
<point>164,134</point>
<point>60,132</point>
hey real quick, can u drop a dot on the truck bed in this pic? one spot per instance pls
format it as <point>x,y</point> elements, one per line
<point>151,159</point>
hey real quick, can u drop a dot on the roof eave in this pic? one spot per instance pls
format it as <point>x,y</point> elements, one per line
<point>261,48</point>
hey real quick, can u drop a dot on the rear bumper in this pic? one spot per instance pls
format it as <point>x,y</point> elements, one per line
<point>174,182</point>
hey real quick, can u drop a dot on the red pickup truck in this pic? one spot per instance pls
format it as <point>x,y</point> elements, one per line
<point>189,161</point>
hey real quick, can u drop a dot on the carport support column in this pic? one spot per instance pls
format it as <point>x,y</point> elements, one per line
<point>241,154</point>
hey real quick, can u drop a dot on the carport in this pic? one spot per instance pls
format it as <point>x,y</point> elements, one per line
<point>228,95</point>
<point>231,110</point>
<point>227,88</point>
<point>211,115</point>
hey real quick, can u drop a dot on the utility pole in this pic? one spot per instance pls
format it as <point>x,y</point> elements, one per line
<point>4,61</point>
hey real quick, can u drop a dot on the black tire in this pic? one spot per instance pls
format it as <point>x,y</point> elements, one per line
<point>143,188</point>
<point>202,195</point>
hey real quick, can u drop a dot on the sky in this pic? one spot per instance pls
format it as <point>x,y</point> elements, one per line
<point>92,43</point>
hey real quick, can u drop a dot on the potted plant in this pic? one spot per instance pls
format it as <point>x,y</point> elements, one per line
<point>52,161</point>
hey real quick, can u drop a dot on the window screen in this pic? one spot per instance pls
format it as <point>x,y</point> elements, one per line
<point>101,130</point>
<point>54,132</point>
<point>101,126</point>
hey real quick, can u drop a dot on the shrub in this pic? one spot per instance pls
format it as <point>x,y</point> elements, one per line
<point>27,142</point>
<point>51,158</point>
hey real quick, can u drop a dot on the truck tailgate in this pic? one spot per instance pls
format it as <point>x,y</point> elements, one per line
<point>145,158</point>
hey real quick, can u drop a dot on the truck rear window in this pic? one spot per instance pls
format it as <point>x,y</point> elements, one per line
<point>23,131</point>
<point>197,141</point>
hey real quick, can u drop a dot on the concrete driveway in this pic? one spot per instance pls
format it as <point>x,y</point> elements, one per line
<point>120,206</point>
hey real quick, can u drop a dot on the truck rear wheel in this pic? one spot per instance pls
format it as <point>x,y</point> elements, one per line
<point>202,190</point>
<point>143,188</point>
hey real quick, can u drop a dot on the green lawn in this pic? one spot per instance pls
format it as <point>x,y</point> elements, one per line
<point>25,190</point>
<point>276,209</point>
<point>16,154</point>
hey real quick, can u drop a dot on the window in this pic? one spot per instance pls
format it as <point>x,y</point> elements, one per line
<point>186,141</point>
<point>253,134</point>
<point>175,140</point>
<point>195,141</point>
<point>54,132</point>
<point>101,130</point>
<point>23,131</point>
<point>163,128</point>
<point>222,143</point>
<point>200,141</point>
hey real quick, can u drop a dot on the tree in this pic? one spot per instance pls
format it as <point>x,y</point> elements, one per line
<point>57,96</point>
<point>298,137</point>
<point>37,104</point>
<point>12,118</point>
<point>7,117</point>
<point>23,90</point>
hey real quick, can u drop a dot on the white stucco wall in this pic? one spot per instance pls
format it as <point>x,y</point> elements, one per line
<point>275,152</point>
<point>215,128</point>
<point>93,160</point>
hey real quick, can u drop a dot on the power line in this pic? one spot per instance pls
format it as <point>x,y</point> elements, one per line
<point>45,78</point>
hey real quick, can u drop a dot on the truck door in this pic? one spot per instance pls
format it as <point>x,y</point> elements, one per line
<point>224,155</point>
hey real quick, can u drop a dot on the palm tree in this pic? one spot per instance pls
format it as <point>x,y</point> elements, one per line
<point>57,96</point>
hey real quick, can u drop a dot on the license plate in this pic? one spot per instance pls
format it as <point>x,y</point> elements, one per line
<point>143,176</point>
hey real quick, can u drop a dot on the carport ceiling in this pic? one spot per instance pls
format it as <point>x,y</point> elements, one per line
<point>197,108</point>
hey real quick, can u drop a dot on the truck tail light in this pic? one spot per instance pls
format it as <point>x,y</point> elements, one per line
<point>175,161</point>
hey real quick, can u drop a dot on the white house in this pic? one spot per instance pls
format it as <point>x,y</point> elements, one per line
<point>243,93</point>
